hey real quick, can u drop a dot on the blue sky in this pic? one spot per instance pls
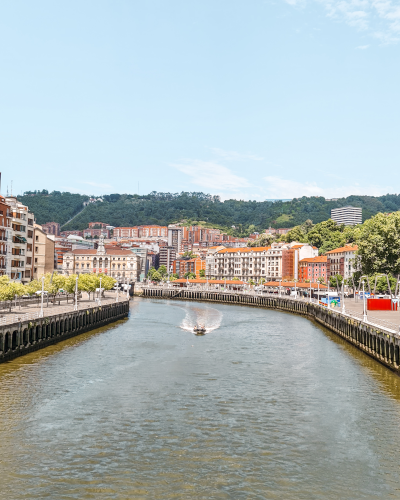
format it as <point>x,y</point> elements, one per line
<point>246,99</point>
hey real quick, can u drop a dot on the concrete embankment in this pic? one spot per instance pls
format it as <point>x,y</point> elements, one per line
<point>380,344</point>
<point>22,337</point>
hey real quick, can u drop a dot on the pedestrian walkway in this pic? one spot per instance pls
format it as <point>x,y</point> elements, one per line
<point>31,312</point>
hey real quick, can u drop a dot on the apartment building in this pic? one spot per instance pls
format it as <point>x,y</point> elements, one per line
<point>51,228</point>
<point>152,231</point>
<point>274,263</point>
<point>44,253</point>
<point>349,215</point>
<point>175,237</point>
<point>96,233</point>
<point>19,264</point>
<point>167,257</point>
<point>313,268</point>
<point>342,261</point>
<point>183,266</point>
<point>5,229</point>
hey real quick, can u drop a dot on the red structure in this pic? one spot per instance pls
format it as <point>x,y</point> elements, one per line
<point>381,305</point>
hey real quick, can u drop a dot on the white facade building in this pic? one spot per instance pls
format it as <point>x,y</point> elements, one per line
<point>350,216</point>
<point>279,261</point>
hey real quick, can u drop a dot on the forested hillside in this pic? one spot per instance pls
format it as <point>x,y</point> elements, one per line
<point>166,208</point>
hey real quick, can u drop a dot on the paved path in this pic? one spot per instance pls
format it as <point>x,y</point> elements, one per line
<point>32,311</point>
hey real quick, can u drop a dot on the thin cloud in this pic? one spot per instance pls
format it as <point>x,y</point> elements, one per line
<point>286,188</point>
<point>362,47</point>
<point>380,18</point>
<point>211,175</point>
<point>235,156</point>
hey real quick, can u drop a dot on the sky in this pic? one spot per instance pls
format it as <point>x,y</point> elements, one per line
<point>246,99</point>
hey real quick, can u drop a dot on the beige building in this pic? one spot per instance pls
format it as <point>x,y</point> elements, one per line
<point>279,261</point>
<point>119,264</point>
<point>19,258</point>
<point>43,253</point>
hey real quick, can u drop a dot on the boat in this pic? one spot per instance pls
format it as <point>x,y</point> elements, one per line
<point>199,330</point>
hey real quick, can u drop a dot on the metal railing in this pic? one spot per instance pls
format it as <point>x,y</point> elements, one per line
<point>387,325</point>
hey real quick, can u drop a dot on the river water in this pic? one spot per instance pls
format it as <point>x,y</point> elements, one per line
<point>267,405</point>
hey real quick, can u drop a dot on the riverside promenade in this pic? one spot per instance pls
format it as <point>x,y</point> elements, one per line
<point>24,330</point>
<point>378,334</point>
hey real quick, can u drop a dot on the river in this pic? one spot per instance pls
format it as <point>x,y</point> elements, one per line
<point>267,405</point>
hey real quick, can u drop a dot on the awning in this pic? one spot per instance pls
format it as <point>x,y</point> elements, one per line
<point>21,238</point>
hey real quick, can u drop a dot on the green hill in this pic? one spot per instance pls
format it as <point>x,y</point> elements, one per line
<point>166,208</point>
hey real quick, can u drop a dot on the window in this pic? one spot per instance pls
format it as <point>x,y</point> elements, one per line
<point>37,238</point>
<point>35,260</point>
<point>36,249</point>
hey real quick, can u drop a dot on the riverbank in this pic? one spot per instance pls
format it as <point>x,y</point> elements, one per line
<point>24,331</point>
<point>382,344</point>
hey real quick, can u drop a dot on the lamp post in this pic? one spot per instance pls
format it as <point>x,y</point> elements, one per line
<point>318,292</point>
<point>100,294</point>
<point>295,289</point>
<point>343,306</point>
<point>310,290</point>
<point>127,287</point>
<point>328,296</point>
<point>76,295</point>
<point>117,297</point>
<point>280,284</point>
<point>365,318</point>
<point>41,304</point>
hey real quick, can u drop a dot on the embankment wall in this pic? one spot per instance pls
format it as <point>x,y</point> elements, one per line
<point>20,338</point>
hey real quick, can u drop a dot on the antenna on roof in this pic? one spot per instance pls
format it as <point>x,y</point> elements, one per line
<point>7,189</point>
<point>11,187</point>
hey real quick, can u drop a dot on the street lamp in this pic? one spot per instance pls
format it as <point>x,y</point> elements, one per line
<point>76,295</point>
<point>100,294</point>
<point>41,305</point>
<point>127,289</point>
<point>329,306</point>
<point>310,290</point>
<point>365,318</point>
<point>343,306</point>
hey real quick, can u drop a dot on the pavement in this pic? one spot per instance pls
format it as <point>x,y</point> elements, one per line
<point>25,312</point>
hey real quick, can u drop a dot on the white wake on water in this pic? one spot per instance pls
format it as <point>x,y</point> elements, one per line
<point>207,316</point>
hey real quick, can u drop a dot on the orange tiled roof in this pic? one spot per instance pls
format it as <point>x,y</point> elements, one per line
<point>292,284</point>
<point>347,248</point>
<point>215,282</point>
<point>244,249</point>
<point>319,258</point>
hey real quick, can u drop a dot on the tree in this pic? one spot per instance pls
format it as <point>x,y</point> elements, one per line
<point>336,281</point>
<point>378,241</point>
<point>162,270</point>
<point>202,273</point>
<point>150,273</point>
<point>9,290</point>
<point>235,279</point>
<point>321,280</point>
<point>189,275</point>
<point>189,254</point>
<point>156,276</point>
<point>264,240</point>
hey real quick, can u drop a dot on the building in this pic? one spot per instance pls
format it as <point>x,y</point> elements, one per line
<point>141,254</point>
<point>19,262</point>
<point>96,233</point>
<point>349,216</point>
<point>342,261</point>
<point>311,269</point>
<point>5,230</point>
<point>65,234</point>
<point>175,236</point>
<point>51,228</point>
<point>167,257</point>
<point>183,266</point>
<point>97,225</point>
<point>152,231</point>
<point>44,253</point>
<point>277,262</point>
<point>119,264</point>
